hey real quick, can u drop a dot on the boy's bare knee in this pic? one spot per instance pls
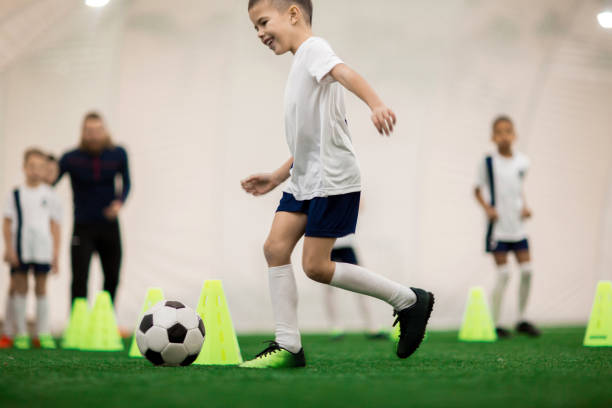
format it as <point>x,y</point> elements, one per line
<point>316,270</point>
<point>276,253</point>
<point>20,284</point>
<point>40,289</point>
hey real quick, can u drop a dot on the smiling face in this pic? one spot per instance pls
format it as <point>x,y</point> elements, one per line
<point>275,27</point>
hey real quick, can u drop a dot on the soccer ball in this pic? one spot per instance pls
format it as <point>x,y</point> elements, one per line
<point>170,334</point>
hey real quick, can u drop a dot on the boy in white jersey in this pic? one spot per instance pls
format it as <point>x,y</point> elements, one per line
<point>31,237</point>
<point>321,199</point>
<point>501,177</point>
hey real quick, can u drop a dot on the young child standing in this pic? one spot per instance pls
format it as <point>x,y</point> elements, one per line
<point>501,175</point>
<point>321,199</point>
<point>31,232</point>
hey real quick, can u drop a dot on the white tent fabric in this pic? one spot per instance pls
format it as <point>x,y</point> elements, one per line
<point>197,101</point>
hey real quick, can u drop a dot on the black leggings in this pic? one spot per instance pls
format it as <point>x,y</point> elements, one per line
<point>103,238</point>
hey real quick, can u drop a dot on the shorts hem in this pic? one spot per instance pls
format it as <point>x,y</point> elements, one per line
<point>326,193</point>
<point>37,269</point>
<point>328,234</point>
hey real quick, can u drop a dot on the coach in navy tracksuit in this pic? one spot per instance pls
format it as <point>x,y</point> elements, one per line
<point>94,168</point>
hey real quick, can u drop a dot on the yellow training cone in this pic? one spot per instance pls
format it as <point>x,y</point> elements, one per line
<point>153,296</point>
<point>599,330</point>
<point>220,344</point>
<point>477,322</point>
<point>102,332</point>
<point>79,319</point>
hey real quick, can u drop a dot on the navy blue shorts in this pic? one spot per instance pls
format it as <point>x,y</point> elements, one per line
<point>505,246</point>
<point>344,255</point>
<point>39,269</point>
<point>328,217</point>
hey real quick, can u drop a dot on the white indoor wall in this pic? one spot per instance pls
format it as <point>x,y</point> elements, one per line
<point>197,101</point>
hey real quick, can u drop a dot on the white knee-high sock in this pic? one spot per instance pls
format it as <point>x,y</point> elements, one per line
<point>19,309</point>
<point>284,296</point>
<point>360,280</point>
<point>503,275</point>
<point>42,315</point>
<point>9,318</point>
<point>524,288</point>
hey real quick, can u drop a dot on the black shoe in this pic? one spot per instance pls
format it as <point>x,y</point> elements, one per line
<point>413,321</point>
<point>503,333</point>
<point>527,329</point>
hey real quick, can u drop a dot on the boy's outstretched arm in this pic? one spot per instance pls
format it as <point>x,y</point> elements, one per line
<point>383,118</point>
<point>260,184</point>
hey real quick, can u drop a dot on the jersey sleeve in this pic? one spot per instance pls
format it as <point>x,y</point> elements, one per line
<point>321,60</point>
<point>9,210</point>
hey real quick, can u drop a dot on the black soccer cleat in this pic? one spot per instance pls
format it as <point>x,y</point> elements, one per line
<point>413,322</point>
<point>503,333</point>
<point>527,329</point>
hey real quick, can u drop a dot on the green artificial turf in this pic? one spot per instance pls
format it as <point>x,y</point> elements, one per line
<point>554,370</point>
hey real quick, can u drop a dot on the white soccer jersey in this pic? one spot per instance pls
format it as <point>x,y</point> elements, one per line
<point>324,162</point>
<point>31,217</point>
<point>508,176</point>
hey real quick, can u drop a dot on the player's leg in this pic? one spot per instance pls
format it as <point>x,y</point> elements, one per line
<point>42,307</point>
<point>523,256</point>
<point>20,279</point>
<point>349,255</point>
<point>81,251</point>
<point>286,350</point>
<point>108,245</point>
<point>500,256</point>
<point>412,306</point>
<point>6,341</point>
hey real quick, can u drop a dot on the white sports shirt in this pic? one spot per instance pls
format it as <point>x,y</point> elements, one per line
<point>324,162</point>
<point>31,220</point>
<point>508,176</point>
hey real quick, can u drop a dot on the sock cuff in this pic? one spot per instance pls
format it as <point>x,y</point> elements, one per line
<point>280,270</point>
<point>504,269</point>
<point>338,273</point>
<point>525,267</point>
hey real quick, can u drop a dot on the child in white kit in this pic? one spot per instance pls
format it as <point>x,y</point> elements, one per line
<point>321,198</point>
<point>31,230</point>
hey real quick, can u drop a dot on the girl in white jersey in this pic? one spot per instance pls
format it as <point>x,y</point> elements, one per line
<point>321,199</point>
<point>500,177</point>
<point>31,229</point>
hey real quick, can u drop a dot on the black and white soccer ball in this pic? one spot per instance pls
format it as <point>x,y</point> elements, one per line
<point>170,334</point>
